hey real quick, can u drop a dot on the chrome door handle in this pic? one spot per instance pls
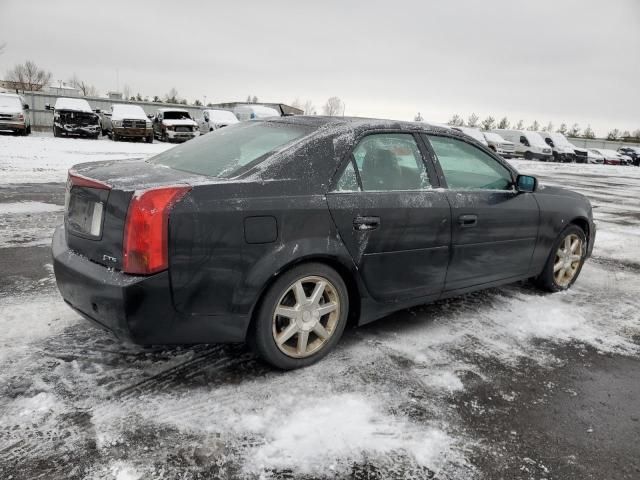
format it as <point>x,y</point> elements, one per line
<point>467,221</point>
<point>366,223</point>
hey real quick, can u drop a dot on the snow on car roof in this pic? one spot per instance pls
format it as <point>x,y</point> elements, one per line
<point>134,112</point>
<point>75,104</point>
<point>173,110</point>
<point>222,116</point>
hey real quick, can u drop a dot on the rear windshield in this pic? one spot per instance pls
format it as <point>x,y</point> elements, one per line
<point>177,115</point>
<point>231,150</point>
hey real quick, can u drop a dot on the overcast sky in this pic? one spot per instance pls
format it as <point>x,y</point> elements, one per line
<point>550,60</point>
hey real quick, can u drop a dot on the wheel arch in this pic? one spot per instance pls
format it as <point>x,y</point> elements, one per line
<point>345,272</point>
<point>583,223</point>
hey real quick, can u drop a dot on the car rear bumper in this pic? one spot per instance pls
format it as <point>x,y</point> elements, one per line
<point>134,308</point>
<point>14,126</point>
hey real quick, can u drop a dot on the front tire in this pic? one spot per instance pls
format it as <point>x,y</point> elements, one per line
<point>528,155</point>
<point>301,317</point>
<point>565,260</point>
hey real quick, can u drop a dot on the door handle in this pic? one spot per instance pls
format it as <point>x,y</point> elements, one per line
<point>466,221</point>
<point>366,223</point>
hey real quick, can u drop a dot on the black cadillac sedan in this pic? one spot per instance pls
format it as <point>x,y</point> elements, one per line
<point>279,232</point>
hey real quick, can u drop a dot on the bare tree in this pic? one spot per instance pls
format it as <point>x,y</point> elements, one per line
<point>504,123</point>
<point>254,99</point>
<point>563,129</point>
<point>535,126</point>
<point>296,103</point>
<point>334,107</point>
<point>588,132</point>
<point>473,120</point>
<point>488,123</point>
<point>418,118</point>
<point>29,76</point>
<point>309,108</point>
<point>636,134</point>
<point>126,91</point>
<point>248,98</point>
<point>520,125</point>
<point>86,89</point>
<point>548,128</point>
<point>626,135</point>
<point>456,121</point>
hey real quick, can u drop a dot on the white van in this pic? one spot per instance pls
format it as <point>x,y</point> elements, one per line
<point>474,133</point>
<point>528,144</point>
<point>14,114</point>
<point>563,150</point>
<point>249,112</point>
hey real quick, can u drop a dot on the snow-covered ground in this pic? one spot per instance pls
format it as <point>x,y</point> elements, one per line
<point>387,403</point>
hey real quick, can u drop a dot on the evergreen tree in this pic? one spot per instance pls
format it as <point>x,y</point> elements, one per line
<point>588,132</point>
<point>563,129</point>
<point>504,124</point>
<point>488,123</point>
<point>473,120</point>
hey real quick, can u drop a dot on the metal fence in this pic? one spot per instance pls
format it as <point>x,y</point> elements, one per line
<point>598,143</point>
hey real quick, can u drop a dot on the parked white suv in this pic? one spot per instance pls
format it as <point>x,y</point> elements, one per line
<point>14,115</point>
<point>528,144</point>
<point>563,150</point>
<point>216,118</point>
<point>502,147</point>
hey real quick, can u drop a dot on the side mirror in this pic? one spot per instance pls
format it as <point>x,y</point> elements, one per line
<point>47,106</point>
<point>526,183</point>
<point>26,107</point>
<point>97,110</point>
<point>107,114</point>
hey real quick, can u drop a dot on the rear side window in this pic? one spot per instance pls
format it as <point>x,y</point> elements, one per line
<point>229,151</point>
<point>389,161</point>
<point>467,167</point>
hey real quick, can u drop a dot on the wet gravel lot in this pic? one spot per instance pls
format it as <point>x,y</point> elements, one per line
<point>505,383</point>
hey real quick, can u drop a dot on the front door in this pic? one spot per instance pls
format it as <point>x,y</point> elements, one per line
<point>394,224</point>
<point>494,227</point>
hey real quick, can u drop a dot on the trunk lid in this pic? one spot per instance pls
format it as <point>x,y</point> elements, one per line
<point>97,201</point>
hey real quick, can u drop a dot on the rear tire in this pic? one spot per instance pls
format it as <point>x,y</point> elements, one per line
<point>566,256</point>
<point>314,303</point>
<point>528,155</point>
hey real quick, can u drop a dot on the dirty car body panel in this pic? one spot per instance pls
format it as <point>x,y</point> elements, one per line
<point>236,230</point>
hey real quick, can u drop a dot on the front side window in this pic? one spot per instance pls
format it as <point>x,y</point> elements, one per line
<point>228,151</point>
<point>467,167</point>
<point>390,161</point>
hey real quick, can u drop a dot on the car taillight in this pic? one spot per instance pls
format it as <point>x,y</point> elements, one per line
<point>146,230</point>
<point>74,179</point>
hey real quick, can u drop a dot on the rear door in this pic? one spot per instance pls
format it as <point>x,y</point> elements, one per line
<point>395,225</point>
<point>494,227</point>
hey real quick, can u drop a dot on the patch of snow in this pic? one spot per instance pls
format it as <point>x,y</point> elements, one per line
<point>44,159</point>
<point>28,207</point>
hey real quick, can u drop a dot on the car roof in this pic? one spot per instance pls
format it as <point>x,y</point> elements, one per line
<point>173,110</point>
<point>349,123</point>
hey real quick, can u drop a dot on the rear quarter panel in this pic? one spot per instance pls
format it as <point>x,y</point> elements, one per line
<point>214,270</point>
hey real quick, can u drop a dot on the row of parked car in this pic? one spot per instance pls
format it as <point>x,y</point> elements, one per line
<point>74,117</point>
<point>548,146</point>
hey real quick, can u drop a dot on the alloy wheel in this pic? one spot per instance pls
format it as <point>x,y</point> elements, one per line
<point>306,316</point>
<point>567,261</point>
